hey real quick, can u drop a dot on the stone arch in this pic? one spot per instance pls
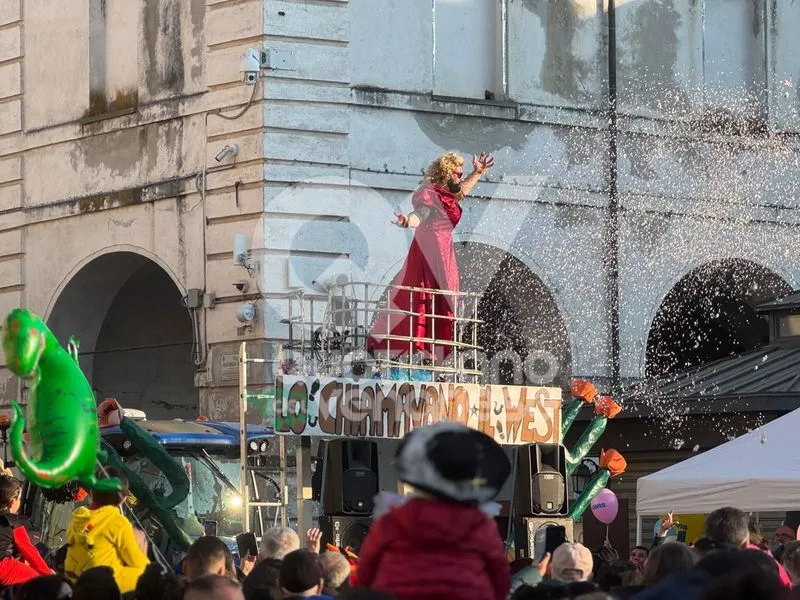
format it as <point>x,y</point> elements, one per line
<point>136,335</point>
<point>709,314</point>
<point>523,325</point>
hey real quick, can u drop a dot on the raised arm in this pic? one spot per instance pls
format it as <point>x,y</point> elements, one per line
<point>480,165</point>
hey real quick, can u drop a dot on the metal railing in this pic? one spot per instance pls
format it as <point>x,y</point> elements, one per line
<point>328,335</point>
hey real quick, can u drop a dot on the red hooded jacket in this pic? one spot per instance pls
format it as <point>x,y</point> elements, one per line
<point>782,574</point>
<point>428,549</point>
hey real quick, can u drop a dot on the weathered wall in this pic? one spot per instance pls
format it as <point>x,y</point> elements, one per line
<point>691,187</point>
<point>108,140</point>
<point>329,148</point>
<point>12,245</point>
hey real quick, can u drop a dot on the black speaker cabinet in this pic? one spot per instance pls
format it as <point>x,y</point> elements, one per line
<point>540,481</point>
<point>532,535</point>
<point>349,477</point>
<point>344,531</point>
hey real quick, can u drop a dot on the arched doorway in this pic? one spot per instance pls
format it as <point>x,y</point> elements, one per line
<point>136,336</point>
<point>710,314</point>
<point>522,327</point>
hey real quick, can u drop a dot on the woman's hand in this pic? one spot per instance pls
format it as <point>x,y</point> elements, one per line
<point>247,563</point>
<point>411,220</point>
<point>401,220</point>
<point>667,523</point>
<point>482,163</point>
<point>313,540</point>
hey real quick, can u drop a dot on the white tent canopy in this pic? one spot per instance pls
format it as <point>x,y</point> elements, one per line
<point>757,472</point>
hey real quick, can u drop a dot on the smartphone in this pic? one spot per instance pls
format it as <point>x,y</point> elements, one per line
<point>547,539</point>
<point>210,527</point>
<point>247,544</point>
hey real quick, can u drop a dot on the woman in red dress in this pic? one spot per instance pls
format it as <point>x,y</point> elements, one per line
<point>431,263</point>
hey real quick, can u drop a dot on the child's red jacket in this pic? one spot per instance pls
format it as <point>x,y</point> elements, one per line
<point>429,549</point>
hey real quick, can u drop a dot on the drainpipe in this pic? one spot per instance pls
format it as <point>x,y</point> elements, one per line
<point>612,234</point>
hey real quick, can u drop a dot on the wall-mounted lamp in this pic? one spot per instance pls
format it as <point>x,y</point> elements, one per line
<point>246,313</point>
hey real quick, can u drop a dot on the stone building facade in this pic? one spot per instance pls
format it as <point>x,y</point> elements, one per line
<point>117,221</point>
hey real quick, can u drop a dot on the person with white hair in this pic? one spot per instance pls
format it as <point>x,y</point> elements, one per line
<point>276,543</point>
<point>335,570</point>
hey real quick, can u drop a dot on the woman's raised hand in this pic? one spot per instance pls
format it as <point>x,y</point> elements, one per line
<point>482,163</point>
<point>401,220</point>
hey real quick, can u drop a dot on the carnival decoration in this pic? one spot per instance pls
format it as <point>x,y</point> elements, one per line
<point>605,506</point>
<point>612,464</point>
<point>605,409</point>
<point>61,411</point>
<point>110,413</point>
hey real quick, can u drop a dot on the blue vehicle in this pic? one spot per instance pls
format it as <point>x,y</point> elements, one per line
<point>209,451</point>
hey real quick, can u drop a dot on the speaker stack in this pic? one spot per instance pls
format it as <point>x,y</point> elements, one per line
<point>347,482</point>
<point>541,499</point>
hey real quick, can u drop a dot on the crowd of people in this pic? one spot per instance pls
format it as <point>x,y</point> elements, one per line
<point>732,560</point>
<point>438,542</point>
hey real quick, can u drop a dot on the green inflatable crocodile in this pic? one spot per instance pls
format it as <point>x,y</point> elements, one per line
<point>62,414</point>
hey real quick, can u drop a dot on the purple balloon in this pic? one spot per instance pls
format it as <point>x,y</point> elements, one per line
<point>605,506</point>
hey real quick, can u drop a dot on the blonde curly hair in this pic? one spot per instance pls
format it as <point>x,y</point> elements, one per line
<point>441,169</point>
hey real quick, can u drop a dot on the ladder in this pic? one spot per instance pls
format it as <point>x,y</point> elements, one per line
<point>254,497</point>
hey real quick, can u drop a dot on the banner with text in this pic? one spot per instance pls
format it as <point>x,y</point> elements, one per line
<point>372,408</point>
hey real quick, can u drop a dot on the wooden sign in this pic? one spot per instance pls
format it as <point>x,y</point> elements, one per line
<point>371,408</point>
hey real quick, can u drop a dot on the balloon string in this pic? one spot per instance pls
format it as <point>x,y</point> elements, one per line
<point>606,532</point>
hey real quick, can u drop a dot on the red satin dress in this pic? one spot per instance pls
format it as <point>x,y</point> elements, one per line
<point>431,263</point>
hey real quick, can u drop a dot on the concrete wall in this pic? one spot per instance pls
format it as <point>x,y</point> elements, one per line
<point>692,189</point>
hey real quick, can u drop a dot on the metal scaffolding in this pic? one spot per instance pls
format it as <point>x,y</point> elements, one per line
<point>256,479</point>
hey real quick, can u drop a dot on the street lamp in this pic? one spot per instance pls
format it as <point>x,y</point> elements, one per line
<point>581,476</point>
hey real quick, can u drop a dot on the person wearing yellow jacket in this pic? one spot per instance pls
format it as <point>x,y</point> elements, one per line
<point>99,535</point>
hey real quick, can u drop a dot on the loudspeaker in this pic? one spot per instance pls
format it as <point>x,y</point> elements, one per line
<point>533,535</point>
<point>344,531</point>
<point>349,479</point>
<point>540,481</point>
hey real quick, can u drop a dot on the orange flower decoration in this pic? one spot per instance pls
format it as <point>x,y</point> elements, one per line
<point>584,390</point>
<point>80,495</point>
<point>613,461</point>
<point>606,406</point>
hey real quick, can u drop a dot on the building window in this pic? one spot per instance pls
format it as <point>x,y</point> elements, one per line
<point>469,40</point>
<point>788,326</point>
<point>113,57</point>
<point>734,58</point>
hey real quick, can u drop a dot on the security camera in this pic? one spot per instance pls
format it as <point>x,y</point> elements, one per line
<point>250,66</point>
<point>242,285</point>
<point>228,150</point>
